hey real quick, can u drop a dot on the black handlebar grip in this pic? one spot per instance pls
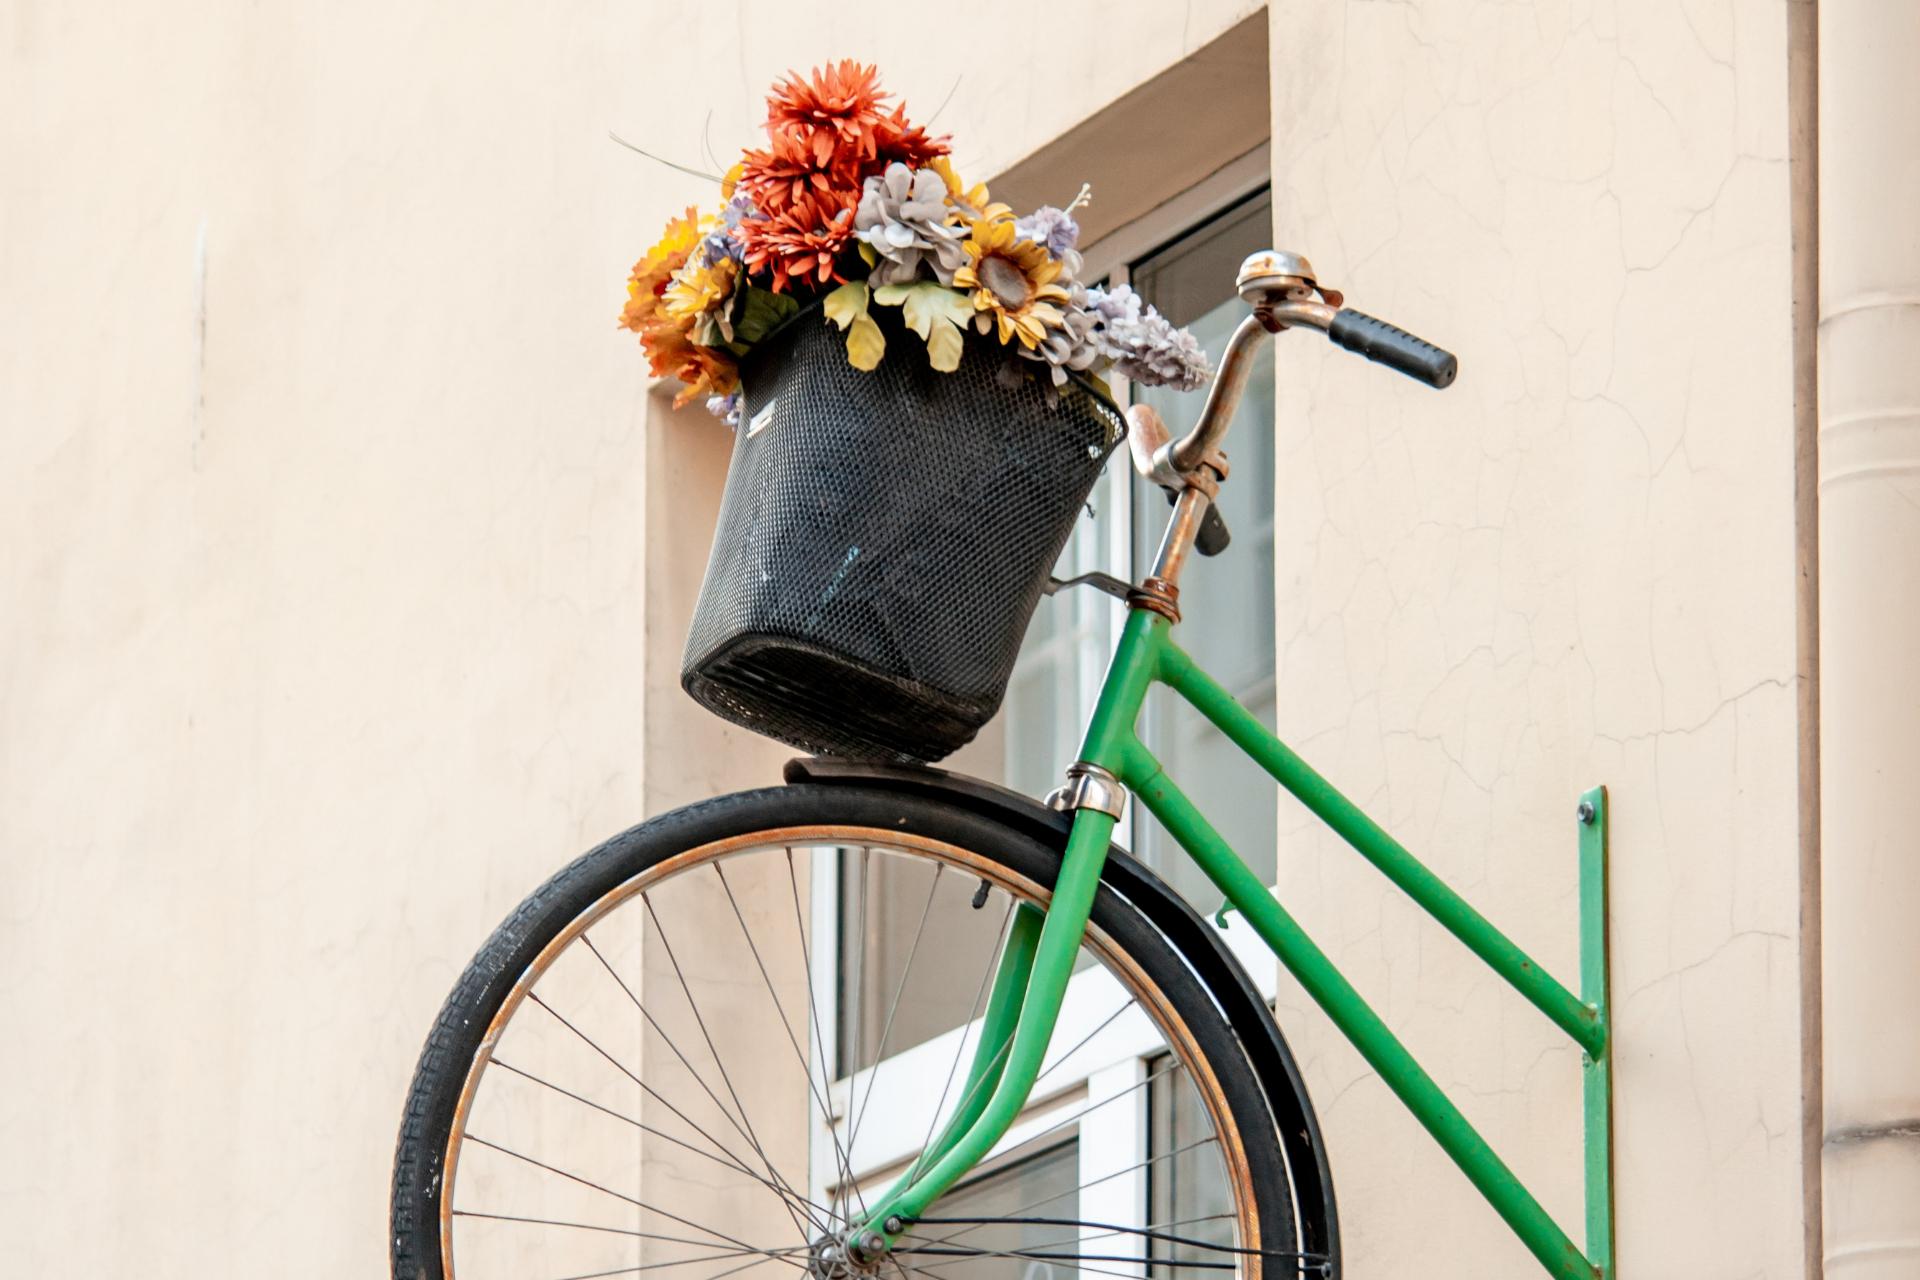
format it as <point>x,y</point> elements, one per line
<point>1393,347</point>
<point>1213,537</point>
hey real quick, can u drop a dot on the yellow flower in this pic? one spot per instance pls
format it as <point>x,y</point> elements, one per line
<point>652,273</point>
<point>1012,280</point>
<point>697,289</point>
<point>972,202</point>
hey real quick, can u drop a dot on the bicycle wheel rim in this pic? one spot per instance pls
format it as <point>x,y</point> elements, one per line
<point>816,836</point>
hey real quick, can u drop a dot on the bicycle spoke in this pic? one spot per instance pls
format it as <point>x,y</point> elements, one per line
<point>1108,1231</point>
<point>1149,1162</point>
<point>655,1095</point>
<point>681,1262</point>
<point>1084,1040</point>
<point>773,1179</point>
<point>851,1186</point>
<point>1075,1118</point>
<point>623,1231</point>
<point>726,1160</point>
<point>841,1162</point>
<point>620,1195</point>
<point>1104,1230</point>
<point>813,1018</point>
<point>725,1079</point>
<point>732,1271</point>
<point>1091,1107</point>
<point>1152,1231</point>
<point>1000,1053</point>
<point>880,1053</point>
<point>965,1255</point>
<point>960,1050</point>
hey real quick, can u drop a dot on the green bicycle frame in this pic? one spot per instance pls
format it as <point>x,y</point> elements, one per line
<point>1038,956</point>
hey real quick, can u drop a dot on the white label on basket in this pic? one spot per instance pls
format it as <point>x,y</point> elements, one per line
<point>761,419</point>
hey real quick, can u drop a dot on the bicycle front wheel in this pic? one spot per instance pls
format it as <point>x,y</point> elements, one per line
<point>704,1047</point>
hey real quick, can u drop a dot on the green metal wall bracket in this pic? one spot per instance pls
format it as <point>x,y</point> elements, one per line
<point>1596,991</point>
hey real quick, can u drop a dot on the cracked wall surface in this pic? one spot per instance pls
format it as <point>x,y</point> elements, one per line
<point>1576,566</point>
<point>330,629</point>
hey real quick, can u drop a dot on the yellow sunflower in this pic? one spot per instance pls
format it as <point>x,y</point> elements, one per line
<point>1012,280</point>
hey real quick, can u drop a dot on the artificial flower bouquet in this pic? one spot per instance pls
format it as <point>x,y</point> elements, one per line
<point>852,206</point>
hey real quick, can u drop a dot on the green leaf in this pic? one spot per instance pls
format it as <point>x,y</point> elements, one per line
<point>846,303</point>
<point>892,295</point>
<point>865,343</point>
<point>761,311</point>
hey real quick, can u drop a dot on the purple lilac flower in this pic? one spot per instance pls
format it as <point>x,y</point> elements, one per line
<point>720,243</point>
<point>1144,344</point>
<point>1054,228</point>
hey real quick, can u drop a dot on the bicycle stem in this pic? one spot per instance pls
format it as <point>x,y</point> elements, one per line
<point>1284,294</point>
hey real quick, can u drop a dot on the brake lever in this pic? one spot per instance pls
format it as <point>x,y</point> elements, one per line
<point>1213,536</point>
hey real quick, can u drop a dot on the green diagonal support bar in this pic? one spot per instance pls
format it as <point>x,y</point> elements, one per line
<point>1578,1018</point>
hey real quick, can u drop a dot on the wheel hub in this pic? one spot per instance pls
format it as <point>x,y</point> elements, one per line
<point>834,1258</point>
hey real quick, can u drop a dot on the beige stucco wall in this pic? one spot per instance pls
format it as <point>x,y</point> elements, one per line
<point>1577,566</point>
<point>324,625</point>
<point>328,631</point>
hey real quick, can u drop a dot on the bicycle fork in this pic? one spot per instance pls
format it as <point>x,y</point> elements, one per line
<point>1036,963</point>
<point>1038,957</point>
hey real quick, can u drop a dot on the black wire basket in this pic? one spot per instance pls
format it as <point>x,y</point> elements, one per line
<point>884,537</point>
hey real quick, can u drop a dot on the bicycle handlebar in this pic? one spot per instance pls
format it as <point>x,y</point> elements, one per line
<point>1284,294</point>
<point>1394,347</point>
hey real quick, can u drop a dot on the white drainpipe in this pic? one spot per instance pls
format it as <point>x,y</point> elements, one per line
<point>1869,437</point>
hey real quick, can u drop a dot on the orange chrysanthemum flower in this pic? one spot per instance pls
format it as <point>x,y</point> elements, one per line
<point>827,134</point>
<point>804,243</point>
<point>707,371</point>
<point>846,98</point>
<point>830,132</point>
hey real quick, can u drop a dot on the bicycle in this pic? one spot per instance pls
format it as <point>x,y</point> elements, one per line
<point>697,1025</point>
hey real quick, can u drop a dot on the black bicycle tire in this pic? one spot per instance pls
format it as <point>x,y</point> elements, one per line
<point>457,1033</point>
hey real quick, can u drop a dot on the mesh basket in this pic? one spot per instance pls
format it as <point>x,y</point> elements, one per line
<point>883,540</point>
